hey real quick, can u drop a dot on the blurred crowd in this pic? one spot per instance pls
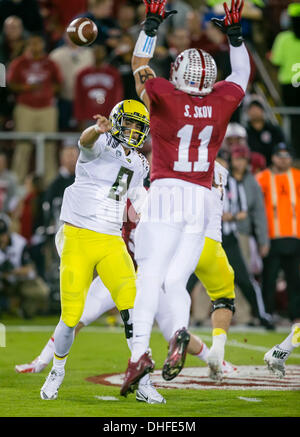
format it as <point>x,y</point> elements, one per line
<point>54,86</point>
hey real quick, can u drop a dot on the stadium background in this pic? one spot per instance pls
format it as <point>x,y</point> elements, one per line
<point>93,79</point>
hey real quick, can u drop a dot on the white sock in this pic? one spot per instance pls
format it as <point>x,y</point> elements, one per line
<point>140,340</point>
<point>59,363</point>
<point>219,338</point>
<point>292,340</point>
<point>203,353</point>
<point>47,353</point>
<point>145,379</point>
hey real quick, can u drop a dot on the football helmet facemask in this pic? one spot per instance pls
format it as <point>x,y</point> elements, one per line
<point>122,116</point>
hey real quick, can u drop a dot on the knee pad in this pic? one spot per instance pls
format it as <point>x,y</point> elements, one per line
<point>223,302</point>
<point>127,325</point>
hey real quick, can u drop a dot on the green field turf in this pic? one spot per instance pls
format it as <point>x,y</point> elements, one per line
<point>100,350</point>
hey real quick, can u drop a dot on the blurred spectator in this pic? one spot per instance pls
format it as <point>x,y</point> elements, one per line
<point>12,39</point>
<point>177,40</point>
<point>30,207</point>
<point>286,56</point>
<point>126,17</point>
<point>255,224</point>
<point>262,135</point>
<point>9,189</point>
<point>120,58</point>
<point>31,220</point>
<point>54,193</point>
<point>11,45</point>
<point>57,15</point>
<point>175,21</point>
<point>236,210</point>
<point>27,10</point>
<point>100,11</point>
<point>98,88</point>
<point>235,134</point>
<point>258,162</point>
<point>35,79</point>
<point>70,59</point>
<point>19,282</point>
<point>280,185</point>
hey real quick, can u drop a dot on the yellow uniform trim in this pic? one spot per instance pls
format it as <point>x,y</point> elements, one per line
<point>215,272</point>
<point>218,331</point>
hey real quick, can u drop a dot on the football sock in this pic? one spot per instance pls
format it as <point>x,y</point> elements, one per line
<point>140,340</point>
<point>219,338</point>
<point>145,379</point>
<point>292,340</point>
<point>63,340</point>
<point>47,353</point>
<point>203,353</point>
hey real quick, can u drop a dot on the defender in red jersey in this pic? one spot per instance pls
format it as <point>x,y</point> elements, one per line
<point>189,115</point>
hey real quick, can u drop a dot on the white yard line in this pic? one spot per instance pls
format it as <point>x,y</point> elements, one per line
<point>117,330</point>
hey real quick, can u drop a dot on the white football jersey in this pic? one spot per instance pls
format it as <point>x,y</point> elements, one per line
<point>104,178</point>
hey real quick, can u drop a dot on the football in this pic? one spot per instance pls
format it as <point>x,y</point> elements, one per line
<point>82,31</point>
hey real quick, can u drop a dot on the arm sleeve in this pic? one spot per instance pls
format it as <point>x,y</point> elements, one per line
<point>240,66</point>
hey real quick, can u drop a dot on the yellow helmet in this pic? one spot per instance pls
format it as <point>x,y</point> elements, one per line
<point>132,111</point>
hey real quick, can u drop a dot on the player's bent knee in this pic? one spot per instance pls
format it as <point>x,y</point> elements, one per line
<point>71,320</point>
<point>223,303</point>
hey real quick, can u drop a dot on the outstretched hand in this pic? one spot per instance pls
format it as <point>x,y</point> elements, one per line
<point>155,15</point>
<point>103,123</point>
<point>231,23</point>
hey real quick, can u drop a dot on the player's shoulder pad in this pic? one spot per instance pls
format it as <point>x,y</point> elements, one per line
<point>145,163</point>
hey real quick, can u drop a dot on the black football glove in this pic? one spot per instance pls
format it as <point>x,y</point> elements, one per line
<point>231,23</point>
<point>155,15</point>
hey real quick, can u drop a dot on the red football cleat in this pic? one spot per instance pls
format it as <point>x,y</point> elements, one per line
<point>135,371</point>
<point>176,355</point>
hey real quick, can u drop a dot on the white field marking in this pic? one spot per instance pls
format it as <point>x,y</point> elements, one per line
<point>249,399</point>
<point>254,378</point>
<point>118,330</point>
<point>106,398</point>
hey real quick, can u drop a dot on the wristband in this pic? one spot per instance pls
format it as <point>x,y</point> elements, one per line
<point>145,46</point>
<point>97,128</point>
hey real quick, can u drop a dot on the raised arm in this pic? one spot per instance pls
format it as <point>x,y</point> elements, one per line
<point>90,135</point>
<point>239,58</point>
<point>145,46</point>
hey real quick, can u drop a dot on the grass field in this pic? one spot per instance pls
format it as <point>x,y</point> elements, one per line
<point>99,350</point>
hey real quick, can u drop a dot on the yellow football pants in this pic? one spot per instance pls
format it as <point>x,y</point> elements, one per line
<point>83,251</point>
<point>215,272</point>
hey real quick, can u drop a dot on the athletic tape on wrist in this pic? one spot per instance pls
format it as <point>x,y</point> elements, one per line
<point>145,46</point>
<point>96,128</point>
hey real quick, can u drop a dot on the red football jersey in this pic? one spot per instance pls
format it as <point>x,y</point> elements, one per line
<point>187,131</point>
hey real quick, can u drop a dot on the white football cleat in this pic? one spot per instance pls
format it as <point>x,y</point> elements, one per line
<point>275,359</point>
<point>148,393</point>
<point>215,363</point>
<point>36,366</point>
<point>49,391</point>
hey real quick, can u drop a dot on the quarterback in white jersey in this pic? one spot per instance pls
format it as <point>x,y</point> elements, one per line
<point>99,299</point>
<point>92,211</point>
